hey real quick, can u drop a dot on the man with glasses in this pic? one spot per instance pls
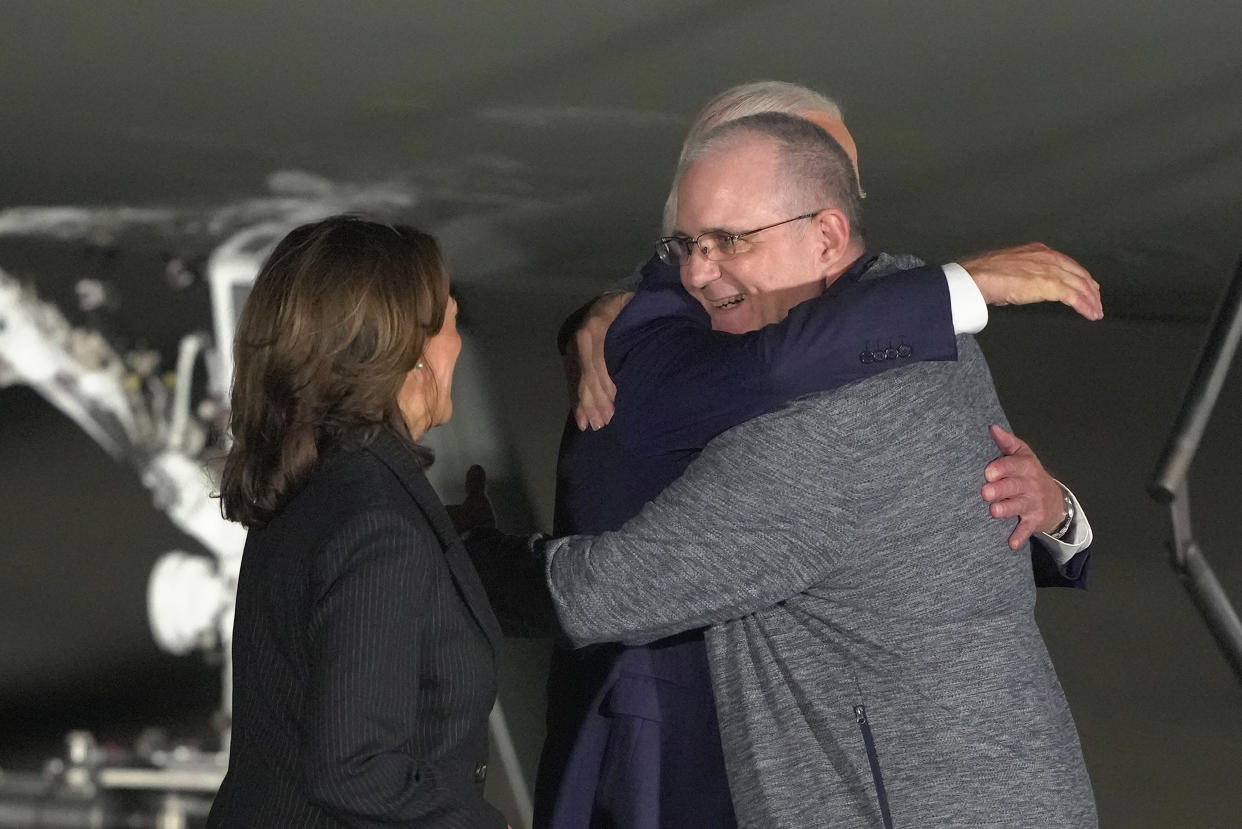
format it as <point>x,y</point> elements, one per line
<point>872,644</point>
<point>632,735</point>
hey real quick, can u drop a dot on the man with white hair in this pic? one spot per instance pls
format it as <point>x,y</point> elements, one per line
<point>872,643</point>
<point>656,700</point>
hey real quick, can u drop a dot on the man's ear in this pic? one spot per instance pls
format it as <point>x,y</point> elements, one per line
<point>833,238</point>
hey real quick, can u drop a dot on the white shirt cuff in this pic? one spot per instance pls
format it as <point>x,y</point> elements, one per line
<point>1075,539</point>
<point>970,312</point>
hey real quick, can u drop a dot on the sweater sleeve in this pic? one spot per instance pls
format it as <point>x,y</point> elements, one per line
<point>726,539</point>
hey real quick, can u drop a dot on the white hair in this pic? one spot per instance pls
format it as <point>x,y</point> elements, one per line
<point>739,102</point>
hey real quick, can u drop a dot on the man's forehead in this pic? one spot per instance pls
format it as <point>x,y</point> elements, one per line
<point>730,188</point>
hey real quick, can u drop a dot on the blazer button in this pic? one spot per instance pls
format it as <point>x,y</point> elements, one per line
<point>865,357</point>
<point>904,351</point>
<point>890,353</point>
<point>480,772</point>
<point>878,355</point>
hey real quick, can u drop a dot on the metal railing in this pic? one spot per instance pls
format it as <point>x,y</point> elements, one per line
<point>1169,485</point>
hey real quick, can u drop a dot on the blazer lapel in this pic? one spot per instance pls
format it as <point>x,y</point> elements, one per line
<point>397,456</point>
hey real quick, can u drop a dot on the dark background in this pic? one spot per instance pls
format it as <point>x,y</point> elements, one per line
<point>537,141</point>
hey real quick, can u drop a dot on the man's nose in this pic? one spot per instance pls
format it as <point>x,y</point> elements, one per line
<point>698,270</point>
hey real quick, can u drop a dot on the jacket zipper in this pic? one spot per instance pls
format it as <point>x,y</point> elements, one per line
<point>860,714</point>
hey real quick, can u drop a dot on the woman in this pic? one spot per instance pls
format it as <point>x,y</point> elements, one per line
<point>363,641</point>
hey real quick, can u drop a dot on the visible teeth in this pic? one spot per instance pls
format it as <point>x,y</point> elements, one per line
<point>730,302</point>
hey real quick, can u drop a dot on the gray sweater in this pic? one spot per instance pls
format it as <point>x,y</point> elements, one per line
<point>812,544</point>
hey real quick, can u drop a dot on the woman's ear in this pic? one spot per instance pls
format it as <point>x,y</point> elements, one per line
<point>412,400</point>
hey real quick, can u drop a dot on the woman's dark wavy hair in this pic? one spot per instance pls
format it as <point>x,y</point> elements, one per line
<point>338,315</point>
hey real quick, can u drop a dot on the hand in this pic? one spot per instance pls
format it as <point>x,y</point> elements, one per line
<point>1017,484</point>
<point>1035,273</point>
<point>586,371</point>
<point>476,510</point>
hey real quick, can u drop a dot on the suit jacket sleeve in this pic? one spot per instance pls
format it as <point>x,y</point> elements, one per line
<point>373,760</point>
<point>680,383</point>
<point>1048,573</point>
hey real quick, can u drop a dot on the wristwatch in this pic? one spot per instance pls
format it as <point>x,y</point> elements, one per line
<point>1064,526</point>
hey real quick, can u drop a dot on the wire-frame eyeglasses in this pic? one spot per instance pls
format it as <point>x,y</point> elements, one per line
<point>715,245</point>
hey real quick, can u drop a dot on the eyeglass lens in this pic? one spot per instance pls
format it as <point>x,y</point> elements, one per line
<point>715,246</point>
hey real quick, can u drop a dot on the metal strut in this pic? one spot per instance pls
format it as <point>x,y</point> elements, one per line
<point>1169,485</point>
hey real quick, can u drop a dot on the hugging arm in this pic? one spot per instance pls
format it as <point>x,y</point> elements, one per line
<point>1019,486</point>
<point>511,569</point>
<point>686,384</point>
<point>683,383</point>
<point>508,567</point>
<point>1012,276</point>
<point>722,541</point>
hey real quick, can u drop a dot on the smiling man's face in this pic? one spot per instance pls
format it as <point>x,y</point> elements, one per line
<point>736,190</point>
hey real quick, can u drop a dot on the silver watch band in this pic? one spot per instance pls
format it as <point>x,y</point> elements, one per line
<point>1068,522</point>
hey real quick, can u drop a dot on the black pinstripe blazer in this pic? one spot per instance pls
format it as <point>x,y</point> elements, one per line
<point>363,652</point>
